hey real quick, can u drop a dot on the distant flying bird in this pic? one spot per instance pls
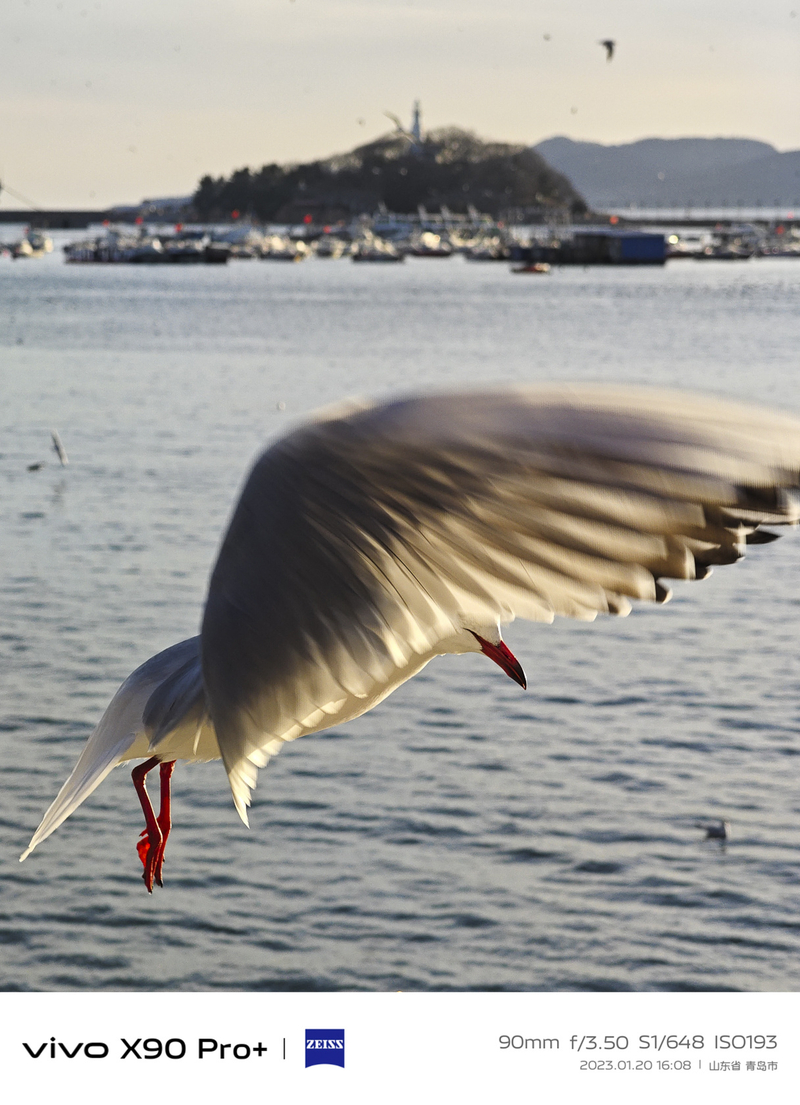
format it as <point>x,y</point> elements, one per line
<point>398,123</point>
<point>609,44</point>
<point>61,452</point>
<point>401,131</point>
<point>374,538</point>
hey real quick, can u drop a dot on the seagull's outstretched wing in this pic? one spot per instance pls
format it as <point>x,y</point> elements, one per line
<point>363,540</point>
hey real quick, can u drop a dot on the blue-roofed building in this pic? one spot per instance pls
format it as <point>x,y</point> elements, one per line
<point>620,247</point>
<point>599,246</point>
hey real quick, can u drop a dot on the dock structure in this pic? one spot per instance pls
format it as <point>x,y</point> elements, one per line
<point>53,220</point>
<point>547,240</point>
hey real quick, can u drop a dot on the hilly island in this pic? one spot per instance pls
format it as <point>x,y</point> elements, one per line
<point>449,167</point>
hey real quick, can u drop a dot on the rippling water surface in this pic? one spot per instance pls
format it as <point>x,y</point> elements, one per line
<point>463,835</point>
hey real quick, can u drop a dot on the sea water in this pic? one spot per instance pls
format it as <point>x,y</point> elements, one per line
<point>465,834</point>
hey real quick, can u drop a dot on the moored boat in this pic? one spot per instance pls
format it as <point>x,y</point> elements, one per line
<point>372,248</point>
<point>279,248</point>
<point>33,244</point>
<point>428,244</point>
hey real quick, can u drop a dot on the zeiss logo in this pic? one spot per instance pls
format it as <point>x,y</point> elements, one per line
<point>325,1045</point>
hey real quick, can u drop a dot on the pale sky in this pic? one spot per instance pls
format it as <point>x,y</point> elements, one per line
<point>111,101</point>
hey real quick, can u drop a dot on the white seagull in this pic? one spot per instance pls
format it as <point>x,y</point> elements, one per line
<point>376,537</point>
<point>58,446</point>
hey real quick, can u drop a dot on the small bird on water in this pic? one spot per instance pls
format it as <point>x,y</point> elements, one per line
<point>715,830</point>
<point>376,537</point>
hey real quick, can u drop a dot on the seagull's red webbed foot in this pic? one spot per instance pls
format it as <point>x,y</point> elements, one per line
<point>147,853</point>
<point>153,838</point>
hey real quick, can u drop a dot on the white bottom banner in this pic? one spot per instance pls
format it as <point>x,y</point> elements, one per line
<point>355,1047</point>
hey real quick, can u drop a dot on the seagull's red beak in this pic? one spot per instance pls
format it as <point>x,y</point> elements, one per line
<point>504,658</point>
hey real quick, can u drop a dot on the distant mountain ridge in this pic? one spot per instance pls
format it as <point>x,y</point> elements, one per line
<point>677,172</point>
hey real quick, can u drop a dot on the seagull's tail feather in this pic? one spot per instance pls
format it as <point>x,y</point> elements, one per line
<point>121,733</point>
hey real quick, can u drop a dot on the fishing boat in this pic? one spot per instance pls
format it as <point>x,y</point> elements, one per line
<point>372,248</point>
<point>330,247</point>
<point>34,244</point>
<point>428,244</point>
<point>279,248</point>
<point>533,266</point>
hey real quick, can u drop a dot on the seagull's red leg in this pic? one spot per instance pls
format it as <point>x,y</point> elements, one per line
<point>148,847</point>
<point>164,816</point>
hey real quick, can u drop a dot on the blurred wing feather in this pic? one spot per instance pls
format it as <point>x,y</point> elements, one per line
<point>362,539</point>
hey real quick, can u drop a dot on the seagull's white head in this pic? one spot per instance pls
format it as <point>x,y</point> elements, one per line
<point>489,640</point>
